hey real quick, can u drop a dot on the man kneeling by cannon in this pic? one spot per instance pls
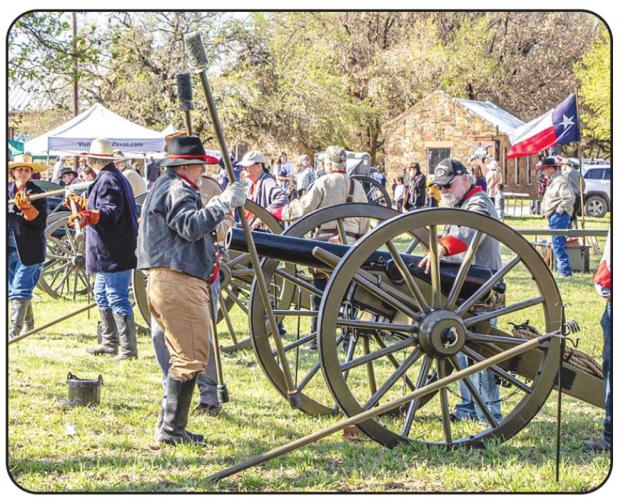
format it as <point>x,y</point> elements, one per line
<point>176,247</point>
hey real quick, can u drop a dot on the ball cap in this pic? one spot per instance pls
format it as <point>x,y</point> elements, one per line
<point>447,170</point>
<point>251,158</point>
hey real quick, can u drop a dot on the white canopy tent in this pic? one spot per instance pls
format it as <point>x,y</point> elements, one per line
<point>96,122</point>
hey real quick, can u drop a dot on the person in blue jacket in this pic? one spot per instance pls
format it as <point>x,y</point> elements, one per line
<point>109,216</point>
<point>26,241</point>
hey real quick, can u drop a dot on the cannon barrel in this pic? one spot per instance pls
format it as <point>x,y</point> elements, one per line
<point>298,250</point>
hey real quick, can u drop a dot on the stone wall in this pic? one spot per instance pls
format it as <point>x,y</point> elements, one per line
<point>440,122</point>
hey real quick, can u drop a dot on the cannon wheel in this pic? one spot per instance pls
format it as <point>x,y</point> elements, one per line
<point>236,279</point>
<point>64,272</point>
<point>443,331</point>
<point>376,192</point>
<point>293,307</point>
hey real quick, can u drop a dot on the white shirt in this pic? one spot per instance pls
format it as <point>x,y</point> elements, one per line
<point>137,182</point>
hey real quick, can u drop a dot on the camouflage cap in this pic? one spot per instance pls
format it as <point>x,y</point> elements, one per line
<point>336,155</point>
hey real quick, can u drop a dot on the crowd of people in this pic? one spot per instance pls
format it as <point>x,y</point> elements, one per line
<point>184,219</point>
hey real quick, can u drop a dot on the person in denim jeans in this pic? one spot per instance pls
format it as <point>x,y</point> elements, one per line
<point>457,190</point>
<point>603,284</point>
<point>109,217</point>
<point>557,208</point>
<point>26,242</point>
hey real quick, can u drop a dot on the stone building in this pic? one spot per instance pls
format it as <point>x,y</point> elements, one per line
<point>440,126</point>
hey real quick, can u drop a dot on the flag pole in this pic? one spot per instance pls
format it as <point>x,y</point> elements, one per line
<point>581,166</point>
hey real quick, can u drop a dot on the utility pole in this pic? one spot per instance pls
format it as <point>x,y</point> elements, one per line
<point>75,76</point>
<point>75,73</point>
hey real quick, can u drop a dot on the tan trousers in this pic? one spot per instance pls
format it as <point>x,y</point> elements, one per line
<point>180,304</point>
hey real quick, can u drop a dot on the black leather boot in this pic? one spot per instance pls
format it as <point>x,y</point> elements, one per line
<point>127,335</point>
<point>19,308</point>
<point>176,414</point>
<point>108,333</point>
<point>29,319</point>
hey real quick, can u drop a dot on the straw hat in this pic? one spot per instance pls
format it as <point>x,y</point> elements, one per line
<point>100,149</point>
<point>119,157</point>
<point>25,160</point>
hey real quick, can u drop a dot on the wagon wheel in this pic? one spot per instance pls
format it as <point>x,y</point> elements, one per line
<point>64,272</point>
<point>376,192</point>
<point>293,307</point>
<point>236,278</point>
<point>436,322</point>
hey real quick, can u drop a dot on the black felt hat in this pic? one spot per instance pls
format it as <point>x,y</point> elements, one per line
<point>185,150</point>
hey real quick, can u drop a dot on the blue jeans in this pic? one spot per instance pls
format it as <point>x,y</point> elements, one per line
<point>22,278</point>
<point>111,291</point>
<point>606,324</point>
<point>558,243</point>
<point>207,380</point>
<point>488,389</point>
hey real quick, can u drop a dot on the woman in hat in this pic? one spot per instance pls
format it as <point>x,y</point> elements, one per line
<point>26,241</point>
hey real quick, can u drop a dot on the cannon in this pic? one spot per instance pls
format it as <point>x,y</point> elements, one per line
<point>384,327</point>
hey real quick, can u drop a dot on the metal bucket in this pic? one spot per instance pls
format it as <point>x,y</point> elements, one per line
<point>85,392</point>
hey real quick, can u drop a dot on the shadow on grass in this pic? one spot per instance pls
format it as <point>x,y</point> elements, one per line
<point>325,463</point>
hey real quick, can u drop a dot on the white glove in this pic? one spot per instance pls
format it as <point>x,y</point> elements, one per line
<point>234,194</point>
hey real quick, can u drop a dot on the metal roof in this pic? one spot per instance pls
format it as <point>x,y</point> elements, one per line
<point>22,100</point>
<point>504,120</point>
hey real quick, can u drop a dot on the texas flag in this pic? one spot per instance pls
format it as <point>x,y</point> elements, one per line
<point>558,126</point>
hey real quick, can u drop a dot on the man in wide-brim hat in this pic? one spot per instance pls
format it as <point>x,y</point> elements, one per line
<point>26,241</point>
<point>109,216</point>
<point>175,245</point>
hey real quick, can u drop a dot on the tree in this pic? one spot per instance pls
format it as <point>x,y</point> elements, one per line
<point>594,76</point>
<point>41,54</point>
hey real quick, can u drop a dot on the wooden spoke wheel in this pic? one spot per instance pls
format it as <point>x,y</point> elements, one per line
<point>236,277</point>
<point>64,271</point>
<point>295,306</point>
<point>436,325</point>
<point>376,192</point>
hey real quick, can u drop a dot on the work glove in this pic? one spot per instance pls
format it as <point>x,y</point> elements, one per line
<point>85,217</point>
<point>233,196</point>
<point>80,202</point>
<point>22,201</point>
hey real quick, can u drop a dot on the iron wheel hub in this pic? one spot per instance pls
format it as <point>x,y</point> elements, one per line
<point>78,261</point>
<point>442,334</point>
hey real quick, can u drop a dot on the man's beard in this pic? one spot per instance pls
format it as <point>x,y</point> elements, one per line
<point>448,200</point>
<point>199,181</point>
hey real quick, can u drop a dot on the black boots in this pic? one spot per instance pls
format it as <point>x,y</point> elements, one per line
<point>106,329</point>
<point>29,319</point>
<point>19,309</point>
<point>125,325</point>
<point>176,413</point>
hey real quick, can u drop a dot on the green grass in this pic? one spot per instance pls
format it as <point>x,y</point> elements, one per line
<point>113,448</point>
